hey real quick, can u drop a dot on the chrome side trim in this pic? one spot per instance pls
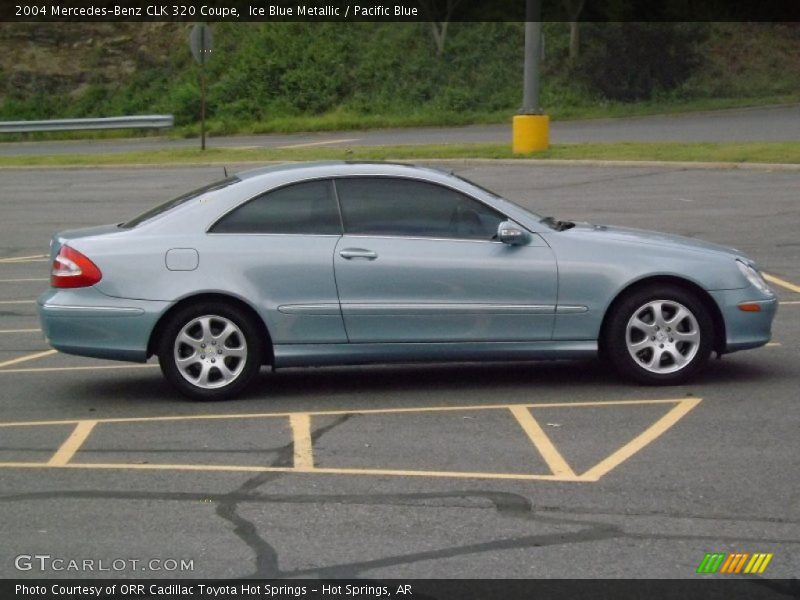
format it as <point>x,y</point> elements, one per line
<point>569,309</point>
<point>334,235</point>
<point>105,310</point>
<point>445,309</point>
<point>419,237</point>
<point>309,309</point>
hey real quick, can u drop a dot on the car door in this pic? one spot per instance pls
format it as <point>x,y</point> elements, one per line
<point>275,251</point>
<point>418,263</point>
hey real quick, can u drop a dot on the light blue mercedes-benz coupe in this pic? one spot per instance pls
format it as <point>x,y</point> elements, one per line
<point>353,263</point>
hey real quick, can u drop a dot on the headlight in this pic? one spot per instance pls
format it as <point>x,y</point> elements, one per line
<point>754,277</point>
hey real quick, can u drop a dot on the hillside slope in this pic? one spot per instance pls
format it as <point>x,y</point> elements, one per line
<point>269,76</point>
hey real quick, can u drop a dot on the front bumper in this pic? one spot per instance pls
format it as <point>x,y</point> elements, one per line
<point>86,322</point>
<point>744,329</point>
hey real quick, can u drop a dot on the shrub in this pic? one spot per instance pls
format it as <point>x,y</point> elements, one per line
<point>635,61</point>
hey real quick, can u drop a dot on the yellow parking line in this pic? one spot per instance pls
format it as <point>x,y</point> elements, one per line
<point>72,444</point>
<point>539,438</point>
<point>323,143</point>
<point>33,258</point>
<point>301,434</point>
<point>17,301</point>
<point>19,330</point>
<point>774,344</point>
<point>641,440</point>
<point>314,471</point>
<point>324,413</point>
<point>20,261</point>
<point>26,358</point>
<point>300,423</point>
<point>24,279</point>
<point>782,282</point>
<point>57,369</point>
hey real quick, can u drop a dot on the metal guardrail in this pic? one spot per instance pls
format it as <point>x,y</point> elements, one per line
<point>135,122</point>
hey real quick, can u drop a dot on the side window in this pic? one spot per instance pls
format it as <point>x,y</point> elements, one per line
<point>308,208</point>
<point>405,207</point>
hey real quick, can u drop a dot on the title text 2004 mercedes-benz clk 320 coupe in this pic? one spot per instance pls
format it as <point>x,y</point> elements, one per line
<point>348,263</point>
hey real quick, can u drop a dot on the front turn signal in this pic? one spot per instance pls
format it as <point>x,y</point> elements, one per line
<point>750,307</point>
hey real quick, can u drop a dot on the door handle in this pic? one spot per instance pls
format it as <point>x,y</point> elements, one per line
<point>350,253</point>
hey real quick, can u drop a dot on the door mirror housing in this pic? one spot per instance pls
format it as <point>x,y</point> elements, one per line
<point>512,234</point>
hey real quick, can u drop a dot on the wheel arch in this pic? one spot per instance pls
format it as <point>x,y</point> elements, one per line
<point>719,341</point>
<point>152,343</point>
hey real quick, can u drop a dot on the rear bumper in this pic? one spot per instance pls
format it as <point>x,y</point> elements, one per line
<point>88,323</point>
<point>744,330</point>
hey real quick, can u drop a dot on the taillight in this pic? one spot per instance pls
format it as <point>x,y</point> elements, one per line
<point>71,269</point>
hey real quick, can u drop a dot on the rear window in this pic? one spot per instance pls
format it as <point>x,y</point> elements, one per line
<point>302,208</point>
<point>167,206</point>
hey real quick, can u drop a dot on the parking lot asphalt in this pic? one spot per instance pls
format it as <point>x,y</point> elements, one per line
<point>551,469</point>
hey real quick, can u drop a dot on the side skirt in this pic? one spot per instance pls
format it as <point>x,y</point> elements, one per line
<point>318,355</point>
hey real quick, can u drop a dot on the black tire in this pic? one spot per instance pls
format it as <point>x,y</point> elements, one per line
<point>220,380</point>
<point>661,352</point>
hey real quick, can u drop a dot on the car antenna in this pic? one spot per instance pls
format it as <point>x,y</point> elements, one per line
<point>225,170</point>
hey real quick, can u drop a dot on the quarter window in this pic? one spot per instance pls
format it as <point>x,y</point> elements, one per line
<point>305,208</point>
<point>167,206</point>
<point>410,208</point>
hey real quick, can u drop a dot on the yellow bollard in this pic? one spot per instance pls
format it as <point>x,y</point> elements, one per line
<point>530,133</point>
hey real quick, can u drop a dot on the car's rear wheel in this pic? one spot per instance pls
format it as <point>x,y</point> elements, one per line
<point>659,335</point>
<point>210,351</point>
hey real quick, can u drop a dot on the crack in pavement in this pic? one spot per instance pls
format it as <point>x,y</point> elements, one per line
<point>266,556</point>
<point>504,503</point>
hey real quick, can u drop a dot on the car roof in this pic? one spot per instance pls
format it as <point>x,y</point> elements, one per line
<point>308,170</point>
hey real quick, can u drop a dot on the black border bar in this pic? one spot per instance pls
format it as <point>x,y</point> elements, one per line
<point>702,587</point>
<point>393,10</point>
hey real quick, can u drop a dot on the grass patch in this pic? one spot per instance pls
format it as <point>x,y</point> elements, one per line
<point>753,152</point>
<point>348,120</point>
<point>664,107</point>
<point>344,120</point>
<point>735,152</point>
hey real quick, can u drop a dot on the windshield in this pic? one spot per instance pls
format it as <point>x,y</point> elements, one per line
<point>166,206</point>
<point>495,194</point>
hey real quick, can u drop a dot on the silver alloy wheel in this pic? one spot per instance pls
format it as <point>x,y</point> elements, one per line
<point>662,336</point>
<point>210,351</point>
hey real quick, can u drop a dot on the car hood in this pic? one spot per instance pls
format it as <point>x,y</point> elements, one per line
<point>650,238</point>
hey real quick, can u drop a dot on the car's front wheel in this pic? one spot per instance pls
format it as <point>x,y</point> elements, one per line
<point>659,335</point>
<point>210,351</point>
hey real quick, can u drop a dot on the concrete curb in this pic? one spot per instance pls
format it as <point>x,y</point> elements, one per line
<point>466,162</point>
<point>617,163</point>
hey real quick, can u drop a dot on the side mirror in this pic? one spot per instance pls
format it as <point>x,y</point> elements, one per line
<point>512,234</point>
